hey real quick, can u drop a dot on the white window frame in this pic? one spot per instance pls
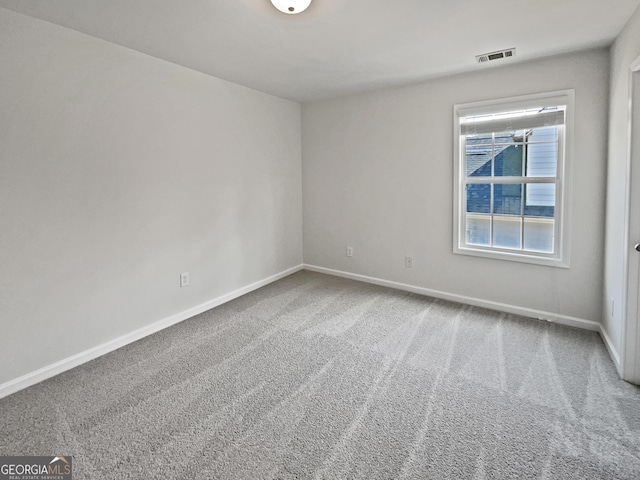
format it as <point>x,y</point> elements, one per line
<point>562,213</point>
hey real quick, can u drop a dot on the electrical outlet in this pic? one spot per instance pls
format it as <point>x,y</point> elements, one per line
<point>408,262</point>
<point>349,251</point>
<point>184,279</point>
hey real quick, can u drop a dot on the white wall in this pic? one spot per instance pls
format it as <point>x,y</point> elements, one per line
<point>118,171</point>
<point>377,175</point>
<point>623,52</point>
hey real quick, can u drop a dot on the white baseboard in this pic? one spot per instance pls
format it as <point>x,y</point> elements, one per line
<point>612,350</point>
<point>477,302</point>
<point>68,363</point>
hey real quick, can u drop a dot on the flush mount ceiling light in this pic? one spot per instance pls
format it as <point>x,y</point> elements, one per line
<point>291,7</point>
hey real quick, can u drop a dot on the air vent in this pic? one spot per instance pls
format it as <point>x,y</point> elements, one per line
<point>500,54</point>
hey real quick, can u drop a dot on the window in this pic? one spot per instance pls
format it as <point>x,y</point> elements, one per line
<point>511,183</point>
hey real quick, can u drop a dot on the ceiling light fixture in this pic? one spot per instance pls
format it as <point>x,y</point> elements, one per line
<point>291,7</point>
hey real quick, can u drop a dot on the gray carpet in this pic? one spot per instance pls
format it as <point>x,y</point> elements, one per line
<point>320,377</point>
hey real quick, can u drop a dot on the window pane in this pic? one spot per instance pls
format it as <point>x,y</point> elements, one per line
<point>542,159</point>
<point>544,134</point>
<point>509,138</point>
<point>540,200</point>
<point>538,234</point>
<point>508,161</point>
<point>507,199</point>
<point>479,161</point>
<point>478,230</point>
<point>479,198</point>
<point>480,139</point>
<point>506,232</point>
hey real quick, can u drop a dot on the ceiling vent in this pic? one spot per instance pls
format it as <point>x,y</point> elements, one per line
<point>500,54</point>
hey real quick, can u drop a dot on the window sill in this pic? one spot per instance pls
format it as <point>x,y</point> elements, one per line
<point>513,256</point>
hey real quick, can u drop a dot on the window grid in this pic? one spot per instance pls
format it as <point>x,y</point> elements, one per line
<point>486,197</point>
<point>522,180</point>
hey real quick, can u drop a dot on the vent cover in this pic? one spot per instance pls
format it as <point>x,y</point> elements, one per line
<point>500,54</point>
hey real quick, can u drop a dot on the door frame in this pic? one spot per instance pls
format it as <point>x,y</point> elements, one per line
<point>630,348</point>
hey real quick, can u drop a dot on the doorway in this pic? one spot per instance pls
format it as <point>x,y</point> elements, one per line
<point>631,329</point>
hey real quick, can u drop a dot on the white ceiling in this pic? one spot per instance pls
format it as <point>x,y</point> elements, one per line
<point>337,46</point>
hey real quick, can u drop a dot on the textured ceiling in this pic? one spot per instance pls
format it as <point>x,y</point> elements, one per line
<point>337,46</point>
